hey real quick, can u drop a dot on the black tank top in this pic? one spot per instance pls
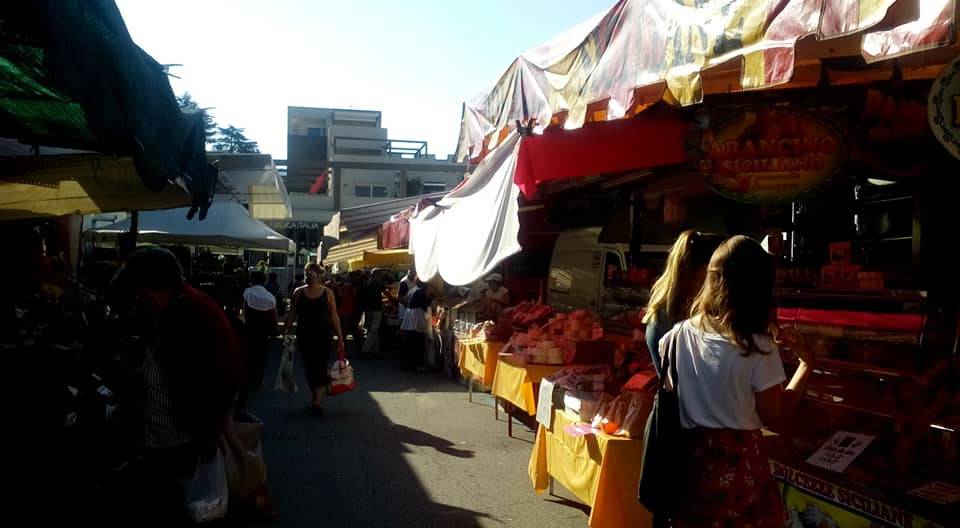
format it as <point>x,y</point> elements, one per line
<point>313,315</point>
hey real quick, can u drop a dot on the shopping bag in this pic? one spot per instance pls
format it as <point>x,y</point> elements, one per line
<point>666,448</point>
<point>341,376</point>
<point>243,455</point>
<point>206,493</point>
<point>286,376</point>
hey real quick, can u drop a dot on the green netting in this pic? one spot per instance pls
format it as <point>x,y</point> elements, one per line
<point>71,76</point>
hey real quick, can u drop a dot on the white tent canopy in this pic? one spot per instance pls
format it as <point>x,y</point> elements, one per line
<point>228,224</point>
<point>467,233</point>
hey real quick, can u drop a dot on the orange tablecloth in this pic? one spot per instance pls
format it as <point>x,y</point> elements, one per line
<point>601,470</point>
<point>514,380</point>
<point>478,359</point>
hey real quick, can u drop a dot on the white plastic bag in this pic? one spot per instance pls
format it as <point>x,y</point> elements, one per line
<point>206,494</point>
<point>286,376</point>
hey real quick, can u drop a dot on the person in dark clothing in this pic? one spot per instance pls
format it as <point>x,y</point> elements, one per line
<point>371,302</point>
<point>415,324</point>
<point>314,309</point>
<point>260,325</point>
<point>191,374</point>
<point>273,286</point>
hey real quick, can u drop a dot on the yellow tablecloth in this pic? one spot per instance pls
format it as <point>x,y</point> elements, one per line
<point>514,380</point>
<point>479,359</point>
<point>601,470</point>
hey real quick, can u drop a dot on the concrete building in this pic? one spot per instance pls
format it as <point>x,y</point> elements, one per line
<point>338,159</point>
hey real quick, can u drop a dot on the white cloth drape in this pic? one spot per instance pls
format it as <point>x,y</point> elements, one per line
<point>467,233</point>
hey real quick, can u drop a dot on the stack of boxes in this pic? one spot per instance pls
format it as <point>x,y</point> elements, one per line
<point>841,273</point>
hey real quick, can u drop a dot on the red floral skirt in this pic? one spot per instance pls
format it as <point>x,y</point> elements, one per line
<point>730,483</point>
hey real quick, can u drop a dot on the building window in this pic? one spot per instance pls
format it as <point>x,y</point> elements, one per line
<point>317,132</point>
<point>370,191</point>
<point>434,187</point>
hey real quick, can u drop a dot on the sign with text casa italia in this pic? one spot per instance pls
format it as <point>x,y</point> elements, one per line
<point>944,108</point>
<point>770,156</point>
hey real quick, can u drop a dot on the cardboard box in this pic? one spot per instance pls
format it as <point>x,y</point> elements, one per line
<point>870,280</point>
<point>840,253</point>
<point>851,275</point>
<point>831,276</point>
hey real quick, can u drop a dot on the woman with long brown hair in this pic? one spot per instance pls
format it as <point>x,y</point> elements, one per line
<point>728,375</point>
<point>314,309</point>
<point>673,293</point>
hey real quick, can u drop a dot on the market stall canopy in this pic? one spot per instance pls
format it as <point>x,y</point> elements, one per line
<point>364,221</point>
<point>347,252</point>
<point>639,52</point>
<point>71,76</point>
<point>387,258</point>
<point>66,184</point>
<point>474,227</point>
<point>253,180</point>
<point>227,225</point>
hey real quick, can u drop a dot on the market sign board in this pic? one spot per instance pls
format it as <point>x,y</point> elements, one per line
<point>943,108</point>
<point>813,501</point>
<point>770,156</point>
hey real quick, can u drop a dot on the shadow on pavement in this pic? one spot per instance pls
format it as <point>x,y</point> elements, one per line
<point>349,467</point>
<point>422,438</point>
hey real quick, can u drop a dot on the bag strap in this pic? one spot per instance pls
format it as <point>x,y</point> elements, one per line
<point>668,364</point>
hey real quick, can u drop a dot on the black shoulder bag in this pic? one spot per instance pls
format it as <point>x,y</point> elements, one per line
<point>666,451</point>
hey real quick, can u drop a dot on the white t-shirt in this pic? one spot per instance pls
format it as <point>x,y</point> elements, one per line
<point>497,295</point>
<point>718,384</point>
<point>259,298</point>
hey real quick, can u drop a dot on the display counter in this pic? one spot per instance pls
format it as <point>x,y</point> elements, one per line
<point>515,381</point>
<point>478,359</point>
<point>601,470</point>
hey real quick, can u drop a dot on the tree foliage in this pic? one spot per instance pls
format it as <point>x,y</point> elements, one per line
<point>232,139</point>
<point>189,106</point>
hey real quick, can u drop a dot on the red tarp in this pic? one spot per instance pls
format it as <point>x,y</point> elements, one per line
<point>598,148</point>
<point>395,233</point>
<point>850,319</point>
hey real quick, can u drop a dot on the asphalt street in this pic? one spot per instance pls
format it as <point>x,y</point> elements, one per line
<point>403,449</point>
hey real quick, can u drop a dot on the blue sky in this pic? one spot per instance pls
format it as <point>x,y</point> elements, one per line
<point>416,60</point>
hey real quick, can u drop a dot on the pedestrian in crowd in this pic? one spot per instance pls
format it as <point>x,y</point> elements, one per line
<point>407,284</point>
<point>294,284</point>
<point>260,325</point>
<point>415,325</point>
<point>371,302</point>
<point>674,291</point>
<point>314,309</point>
<point>348,307</point>
<point>191,373</point>
<point>494,297</point>
<point>729,378</point>
<point>273,286</point>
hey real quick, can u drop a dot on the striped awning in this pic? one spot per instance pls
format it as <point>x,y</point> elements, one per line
<point>640,52</point>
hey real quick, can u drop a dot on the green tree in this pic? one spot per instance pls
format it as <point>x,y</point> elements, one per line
<point>232,139</point>
<point>189,106</point>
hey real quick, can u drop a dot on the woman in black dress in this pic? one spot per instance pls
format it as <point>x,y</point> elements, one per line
<point>314,309</point>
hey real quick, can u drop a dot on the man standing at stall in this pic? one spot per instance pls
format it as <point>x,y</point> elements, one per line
<point>371,300</point>
<point>191,373</point>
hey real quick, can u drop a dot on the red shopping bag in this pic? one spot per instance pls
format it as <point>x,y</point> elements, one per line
<point>341,376</point>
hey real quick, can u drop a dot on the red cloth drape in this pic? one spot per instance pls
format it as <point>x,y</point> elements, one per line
<point>597,148</point>
<point>395,234</point>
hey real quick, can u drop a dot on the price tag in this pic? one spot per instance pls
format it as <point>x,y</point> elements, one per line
<point>837,453</point>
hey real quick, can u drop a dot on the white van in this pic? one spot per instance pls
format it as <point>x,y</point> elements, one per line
<point>578,267</point>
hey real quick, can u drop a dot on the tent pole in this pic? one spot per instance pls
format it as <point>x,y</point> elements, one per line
<point>128,240</point>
